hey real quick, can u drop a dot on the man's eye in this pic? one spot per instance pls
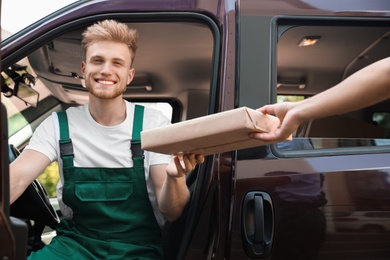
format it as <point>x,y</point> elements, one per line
<point>97,61</point>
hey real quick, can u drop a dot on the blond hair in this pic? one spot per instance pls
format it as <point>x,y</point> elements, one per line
<point>111,30</point>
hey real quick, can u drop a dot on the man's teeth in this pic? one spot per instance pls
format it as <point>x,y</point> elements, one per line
<point>107,82</point>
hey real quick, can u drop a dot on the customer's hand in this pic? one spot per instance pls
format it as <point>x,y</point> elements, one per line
<point>289,121</point>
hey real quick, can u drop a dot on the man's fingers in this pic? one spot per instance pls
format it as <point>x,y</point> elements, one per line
<point>199,158</point>
<point>179,165</point>
<point>187,163</point>
<point>263,136</point>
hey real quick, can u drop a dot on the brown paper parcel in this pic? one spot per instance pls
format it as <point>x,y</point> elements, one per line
<point>216,133</point>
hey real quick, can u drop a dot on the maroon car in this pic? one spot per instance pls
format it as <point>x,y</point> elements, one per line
<point>291,200</point>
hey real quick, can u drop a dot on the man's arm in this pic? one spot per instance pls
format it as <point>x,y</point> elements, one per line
<point>170,184</point>
<point>24,170</point>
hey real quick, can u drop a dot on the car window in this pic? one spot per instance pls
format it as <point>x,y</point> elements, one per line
<point>313,57</point>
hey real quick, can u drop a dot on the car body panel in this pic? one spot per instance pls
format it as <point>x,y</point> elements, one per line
<point>349,183</point>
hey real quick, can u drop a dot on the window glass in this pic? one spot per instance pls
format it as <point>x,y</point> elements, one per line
<point>338,51</point>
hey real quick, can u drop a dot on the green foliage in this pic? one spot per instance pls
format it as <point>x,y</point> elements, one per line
<point>282,98</point>
<point>49,179</point>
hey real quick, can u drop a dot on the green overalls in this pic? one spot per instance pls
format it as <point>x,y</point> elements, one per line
<point>112,214</point>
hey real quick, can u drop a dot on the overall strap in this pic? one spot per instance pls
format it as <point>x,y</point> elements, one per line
<point>66,147</point>
<point>137,152</point>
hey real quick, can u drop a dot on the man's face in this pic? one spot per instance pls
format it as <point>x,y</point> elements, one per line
<point>107,69</point>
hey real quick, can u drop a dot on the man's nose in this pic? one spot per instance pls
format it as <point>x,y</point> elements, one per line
<point>106,68</point>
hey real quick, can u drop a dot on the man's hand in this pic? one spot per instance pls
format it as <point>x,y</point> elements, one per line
<point>183,164</point>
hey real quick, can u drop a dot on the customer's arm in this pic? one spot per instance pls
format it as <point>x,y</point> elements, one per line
<point>366,87</point>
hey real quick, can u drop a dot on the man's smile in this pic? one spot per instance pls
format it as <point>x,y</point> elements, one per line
<point>105,82</point>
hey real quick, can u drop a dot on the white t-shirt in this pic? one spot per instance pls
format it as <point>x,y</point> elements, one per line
<point>95,145</point>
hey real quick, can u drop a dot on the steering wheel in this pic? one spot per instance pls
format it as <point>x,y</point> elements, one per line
<point>34,203</point>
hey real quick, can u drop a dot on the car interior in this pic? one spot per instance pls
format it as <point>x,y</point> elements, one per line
<point>171,63</point>
<point>177,64</point>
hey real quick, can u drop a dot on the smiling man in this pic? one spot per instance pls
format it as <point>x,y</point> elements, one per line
<point>114,197</point>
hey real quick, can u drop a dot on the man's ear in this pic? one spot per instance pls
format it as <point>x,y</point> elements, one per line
<point>83,68</point>
<point>130,76</point>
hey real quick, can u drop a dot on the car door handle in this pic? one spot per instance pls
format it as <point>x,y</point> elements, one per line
<point>257,224</point>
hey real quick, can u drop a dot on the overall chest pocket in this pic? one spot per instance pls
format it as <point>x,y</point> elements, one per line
<point>103,190</point>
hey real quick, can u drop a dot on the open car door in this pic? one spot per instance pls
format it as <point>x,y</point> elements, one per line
<point>13,232</point>
<point>7,246</point>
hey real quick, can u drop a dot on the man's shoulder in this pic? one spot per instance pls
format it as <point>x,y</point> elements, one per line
<point>75,112</point>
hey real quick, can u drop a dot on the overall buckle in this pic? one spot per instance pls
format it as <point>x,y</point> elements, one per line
<point>66,147</point>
